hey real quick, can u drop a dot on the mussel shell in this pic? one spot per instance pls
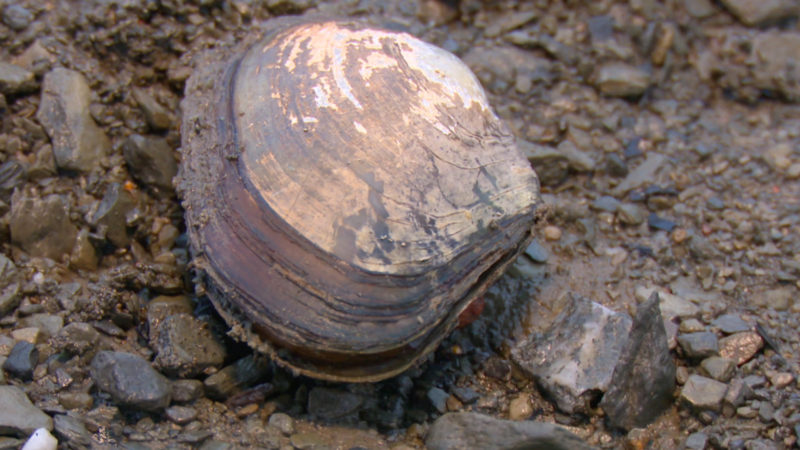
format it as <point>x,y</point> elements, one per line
<point>348,192</point>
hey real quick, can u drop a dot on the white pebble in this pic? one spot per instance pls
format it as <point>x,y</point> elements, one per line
<point>41,439</point>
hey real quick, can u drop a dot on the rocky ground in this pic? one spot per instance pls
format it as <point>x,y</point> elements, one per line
<point>667,140</point>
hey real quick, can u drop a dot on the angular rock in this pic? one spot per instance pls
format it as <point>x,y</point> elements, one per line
<point>151,161</point>
<point>156,115</point>
<point>573,361</point>
<point>328,404</point>
<point>641,175</point>
<point>71,431</point>
<point>78,143</point>
<point>41,225</point>
<point>112,214</point>
<point>718,368</point>
<point>731,323</point>
<point>184,391</point>
<point>185,347</point>
<point>551,165</point>
<point>9,299</point>
<point>130,380</point>
<point>778,299</point>
<point>621,80</point>
<point>233,378</point>
<point>761,12</point>
<point>16,80</point>
<point>22,360</point>
<point>703,393</point>
<point>77,338</point>
<point>777,54</point>
<point>438,399</point>
<point>18,416</point>
<point>481,432</point>
<point>180,414</point>
<point>17,17</point>
<point>48,324</point>
<point>644,379</point>
<point>699,345</point>
<point>741,347</point>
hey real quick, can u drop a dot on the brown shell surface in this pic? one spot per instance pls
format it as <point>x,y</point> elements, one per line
<point>348,192</point>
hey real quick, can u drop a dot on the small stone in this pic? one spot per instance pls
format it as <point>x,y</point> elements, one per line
<point>328,404</point>
<point>84,255</point>
<point>309,441</point>
<point>778,299</point>
<point>681,374</point>
<point>645,173</point>
<point>237,376</point>
<point>185,347</point>
<point>465,395</point>
<point>247,410</point>
<point>605,203</point>
<point>77,338</point>
<point>112,214</point>
<point>551,165</point>
<point>283,422</point>
<point>156,115</point>
<point>699,9</point>
<point>9,299</point>
<point>766,412</point>
<point>679,235</point>
<point>537,253</point>
<point>746,412</point>
<point>699,345</point>
<point>438,399</point>
<point>780,380</point>
<point>41,225</point>
<point>18,416</point>
<point>180,415</point>
<point>184,391</point>
<point>577,160</point>
<point>16,80</point>
<point>616,166</point>
<point>27,334</point>
<point>761,12</point>
<point>71,431</point>
<point>691,326</point>
<point>741,347</point>
<point>130,380</point>
<point>164,306</point>
<point>75,400</point>
<point>17,17</point>
<point>22,361</point>
<point>520,407</point>
<point>78,143</point>
<point>657,222</point>
<point>48,324</point>
<point>151,161</point>
<point>631,214</point>
<point>469,430</point>
<point>551,233</point>
<point>718,368</point>
<point>731,323</point>
<point>696,441</point>
<point>703,393</point>
<point>621,80</point>
<point>738,392</point>
<point>755,381</point>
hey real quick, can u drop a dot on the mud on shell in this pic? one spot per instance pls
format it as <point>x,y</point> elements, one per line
<point>348,192</point>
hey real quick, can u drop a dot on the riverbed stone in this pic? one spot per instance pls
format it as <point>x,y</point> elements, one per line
<point>618,79</point>
<point>112,213</point>
<point>718,368</point>
<point>71,431</point>
<point>741,347</point>
<point>16,80</point>
<point>185,347</point>
<point>761,12</point>
<point>329,403</point>
<point>481,432</point>
<point>157,116</point>
<point>22,360</point>
<point>9,299</point>
<point>573,361</point>
<point>703,393</point>
<point>18,416</point>
<point>731,323</point>
<point>699,345</point>
<point>130,380</point>
<point>78,143</point>
<point>17,17</point>
<point>41,226</point>
<point>151,161</point>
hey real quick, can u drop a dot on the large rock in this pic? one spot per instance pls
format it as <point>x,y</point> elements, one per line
<point>78,143</point>
<point>761,12</point>
<point>573,361</point>
<point>130,380</point>
<point>480,432</point>
<point>41,225</point>
<point>18,416</point>
<point>644,378</point>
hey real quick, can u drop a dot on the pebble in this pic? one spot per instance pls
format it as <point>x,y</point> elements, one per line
<point>780,380</point>
<point>741,347</point>
<point>699,9</point>
<point>130,380</point>
<point>621,80</point>
<point>552,233</point>
<point>18,416</point>
<point>16,80</point>
<point>730,323</point>
<point>17,17</point>
<point>696,441</point>
<point>185,347</point>
<point>778,299</point>
<point>465,394</point>
<point>631,214</point>
<point>283,422</point>
<point>75,400</point>
<point>481,432</point>
<point>699,345</point>
<point>691,326</point>
<point>157,116</point>
<point>537,253</point>
<point>718,368</point>
<point>72,431</point>
<point>9,299</point>
<point>185,391</point>
<point>643,174</point>
<point>775,50</point>
<point>151,161</point>
<point>756,13</point>
<point>41,225</point>
<point>438,399</point>
<point>235,377</point>
<point>703,393</point>
<point>328,403</point>
<point>738,392</point>
<point>77,338</point>
<point>48,324</point>
<point>22,361</point>
<point>605,203</point>
<point>657,222</point>
<point>180,415</point>
<point>78,143</point>
<point>309,441</point>
<point>520,407</point>
<point>112,214</point>
<point>551,165</point>
<point>766,412</point>
<point>616,166</point>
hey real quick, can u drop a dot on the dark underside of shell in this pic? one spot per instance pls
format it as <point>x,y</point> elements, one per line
<point>348,192</point>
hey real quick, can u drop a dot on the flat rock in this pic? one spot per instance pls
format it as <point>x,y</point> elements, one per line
<point>111,213</point>
<point>16,80</point>
<point>718,368</point>
<point>151,161</point>
<point>703,393</point>
<point>22,360</point>
<point>78,143</point>
<point>481,432</point>
<point>130,380</point>
<point>328,404</point>
<point>621,80</point>
<point>41,226</point>
<point>741,347</point>
<point>574,359</point>
<point>157,116</point>
<point>71,431</point>
<point>9,299</point>
<point>185,347</point>
<point>761,12</point>
<point>699,345</point>
<point>18,416</point>
<point>237,376</point>
<point>644,173</point>
<point>731,323</point>
<point>644,379</point>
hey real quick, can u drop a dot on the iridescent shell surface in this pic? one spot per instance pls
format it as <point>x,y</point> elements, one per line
<point>348,192</point>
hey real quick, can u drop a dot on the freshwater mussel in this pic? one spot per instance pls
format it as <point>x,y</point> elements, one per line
<point>348,192</point>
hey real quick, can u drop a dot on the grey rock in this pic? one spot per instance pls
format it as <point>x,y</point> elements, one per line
<point>78,143</point>
<point>18,416</point>
<point>481,432</point>
<point>631,213</point>
<point>22,360</point>
<point>130,380</point>
<point>573,361</point>
<point>657,222</point>
<point>185,347</point>
<point>48,324</point>
<point>551,165</point>
<point>233,378</point>
<point>180,415</point>
<point>577,160</point>
<point>465,395</point>
<point>537,253</point>
<point>17,17</point>
<point>500,66</point>
<point>12,176</point>
<point>16,80</point>
<point>699,345</point>
<point>621,80</point>
<point>766,412</point>
<point>71,431</point>
<point>703,393</point>
<point>289,6</point>
<point>731,323</point>
<point>438,399</point>
<point>157,117</point>
<point>151,161</point>
<point>699,9</point>
<point>644,379</point>
<point>761,12</point>
<point>696,441</point>
<point>112,214</point>
<point>779,299</point>
<point>606,203</point>
<point>741,347</point>
<point>164,306</point>
<point>643,174</point>
<point>41,225</point>
<point>77,338</point>
<point>616,166</point>
<point>718,368</point>
<point>283,422</point>
<point>184,391</point>
<point>9,299</point>
<point>777,54</point>
<point>328,404</point>
<point>511,20</point>
<point>737,393</point>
